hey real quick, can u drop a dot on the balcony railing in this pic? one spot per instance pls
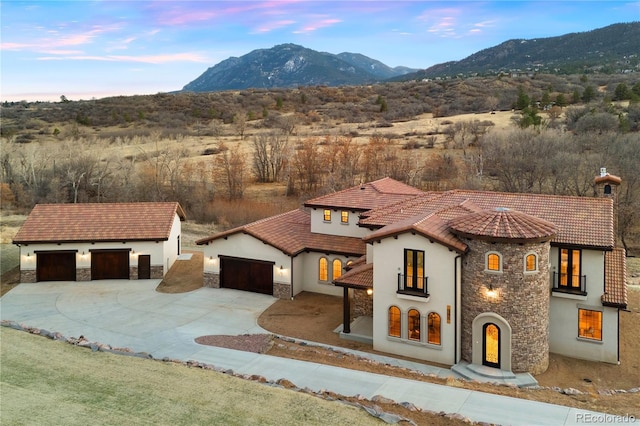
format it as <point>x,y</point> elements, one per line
<point>413,286</point>
<point>566,283</point>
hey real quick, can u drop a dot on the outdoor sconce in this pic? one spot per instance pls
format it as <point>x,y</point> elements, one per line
<point>29,254</point>
<point>491,292</point>
<point>369,291</point>
<point>281,268</point>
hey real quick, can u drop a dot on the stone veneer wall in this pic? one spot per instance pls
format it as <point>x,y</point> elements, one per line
<point>362,304</point>
<point>28,276</point>
<point>211,280</point>
<point>83,274</point>
<point>282,290</point>
<point>157,272</point>
<point>522,300</point>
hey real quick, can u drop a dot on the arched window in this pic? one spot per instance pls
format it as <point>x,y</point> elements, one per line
<point>394,321</point>
<point>494,262</point>
<point>530,262</point>
<point>414,324</point>
<point>337,269</point>
<point>433,328</point>
<point>323,273</point>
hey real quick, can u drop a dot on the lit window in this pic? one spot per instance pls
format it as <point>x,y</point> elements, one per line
<point>394,321</point>
<point>337,269</point>
<point>323,274</point>
<point>570,270</point>
<point>327,215</point>
<point>414,324</point>
<point>493,262</point>
<point>344,216</point>
<point>414,270</point>
<point>531,263</point>
<point>590,324</point>
<point>433,324</point>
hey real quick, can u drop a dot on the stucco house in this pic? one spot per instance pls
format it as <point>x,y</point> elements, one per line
<point>484,280</point>
<point>82,242</point>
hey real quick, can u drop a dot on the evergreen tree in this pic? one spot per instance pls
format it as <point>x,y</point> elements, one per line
<point>589,94</point>
<point>523,99</point>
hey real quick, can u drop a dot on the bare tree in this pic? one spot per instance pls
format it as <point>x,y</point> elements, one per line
<point>307,165</point>
<point>230,171</point>
<point>269,156</point>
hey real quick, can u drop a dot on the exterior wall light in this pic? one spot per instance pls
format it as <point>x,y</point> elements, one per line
<point>369,291</point>
<point>491,292</point>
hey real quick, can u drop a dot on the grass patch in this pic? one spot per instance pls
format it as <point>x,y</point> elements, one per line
<point>54,383</point>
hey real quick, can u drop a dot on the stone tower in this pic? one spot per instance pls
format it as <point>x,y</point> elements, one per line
<point>505,286</point>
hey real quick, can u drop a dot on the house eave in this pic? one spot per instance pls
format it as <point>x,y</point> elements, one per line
<point>77,241</point>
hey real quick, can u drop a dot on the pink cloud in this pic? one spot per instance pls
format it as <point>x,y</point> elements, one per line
<point>147,59</point>
<point>51,43</point>
<point>271,26</point>
<point>194,12</point>
<point>314,26</point>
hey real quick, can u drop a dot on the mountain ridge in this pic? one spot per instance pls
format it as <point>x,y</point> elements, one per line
<point>290,65</point>
<point>611,49</point>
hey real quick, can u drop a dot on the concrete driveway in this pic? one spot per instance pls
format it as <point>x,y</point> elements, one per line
<point>132,314</point>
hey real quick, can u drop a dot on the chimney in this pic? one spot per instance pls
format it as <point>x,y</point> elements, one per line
<point>606,186</point>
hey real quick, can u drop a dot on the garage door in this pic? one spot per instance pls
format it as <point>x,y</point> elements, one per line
<point>110,264</point>
<point>246,274</point>
<point>56,266</point>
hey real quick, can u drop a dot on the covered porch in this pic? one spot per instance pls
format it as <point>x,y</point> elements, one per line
<point>357,302</point>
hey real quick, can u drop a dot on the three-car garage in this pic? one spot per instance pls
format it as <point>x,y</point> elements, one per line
<point>105,241</point>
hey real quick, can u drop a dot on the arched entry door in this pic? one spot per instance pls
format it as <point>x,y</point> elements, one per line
<point>491,345</point>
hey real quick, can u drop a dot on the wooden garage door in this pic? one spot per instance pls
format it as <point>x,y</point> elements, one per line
<point>246,274</point>
<point>56,266</point>
<point>110,264</point>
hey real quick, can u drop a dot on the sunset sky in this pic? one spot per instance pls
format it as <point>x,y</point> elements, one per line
<point>92,49</point>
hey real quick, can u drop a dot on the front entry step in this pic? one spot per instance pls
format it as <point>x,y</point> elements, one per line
<point>482,373</point>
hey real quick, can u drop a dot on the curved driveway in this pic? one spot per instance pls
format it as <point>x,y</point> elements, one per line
<point>131,314</point>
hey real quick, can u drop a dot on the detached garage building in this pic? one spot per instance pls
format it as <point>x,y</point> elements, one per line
<point>82,242</point>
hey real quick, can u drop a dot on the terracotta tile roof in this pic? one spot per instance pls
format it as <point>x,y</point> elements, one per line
<point>366,196</point>
<point>291,233</point>
<point>503,224</point>
<point>60,223</point>
<point>615,287</point>
<point>360,276</point>
<point>584,221</point>
<point>430,226</point>
<point>359,261</point>
<point>607,178</point>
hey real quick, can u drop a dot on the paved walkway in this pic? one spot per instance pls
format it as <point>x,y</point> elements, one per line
<point>132,314</point>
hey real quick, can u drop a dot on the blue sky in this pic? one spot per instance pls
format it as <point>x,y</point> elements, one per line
<point>86,49</point>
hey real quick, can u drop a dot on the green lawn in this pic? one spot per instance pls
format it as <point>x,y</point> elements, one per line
<point>9,257</point>
<point>44,382</point>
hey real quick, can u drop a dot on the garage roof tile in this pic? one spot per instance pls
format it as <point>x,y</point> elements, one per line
<point>62,223</point>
